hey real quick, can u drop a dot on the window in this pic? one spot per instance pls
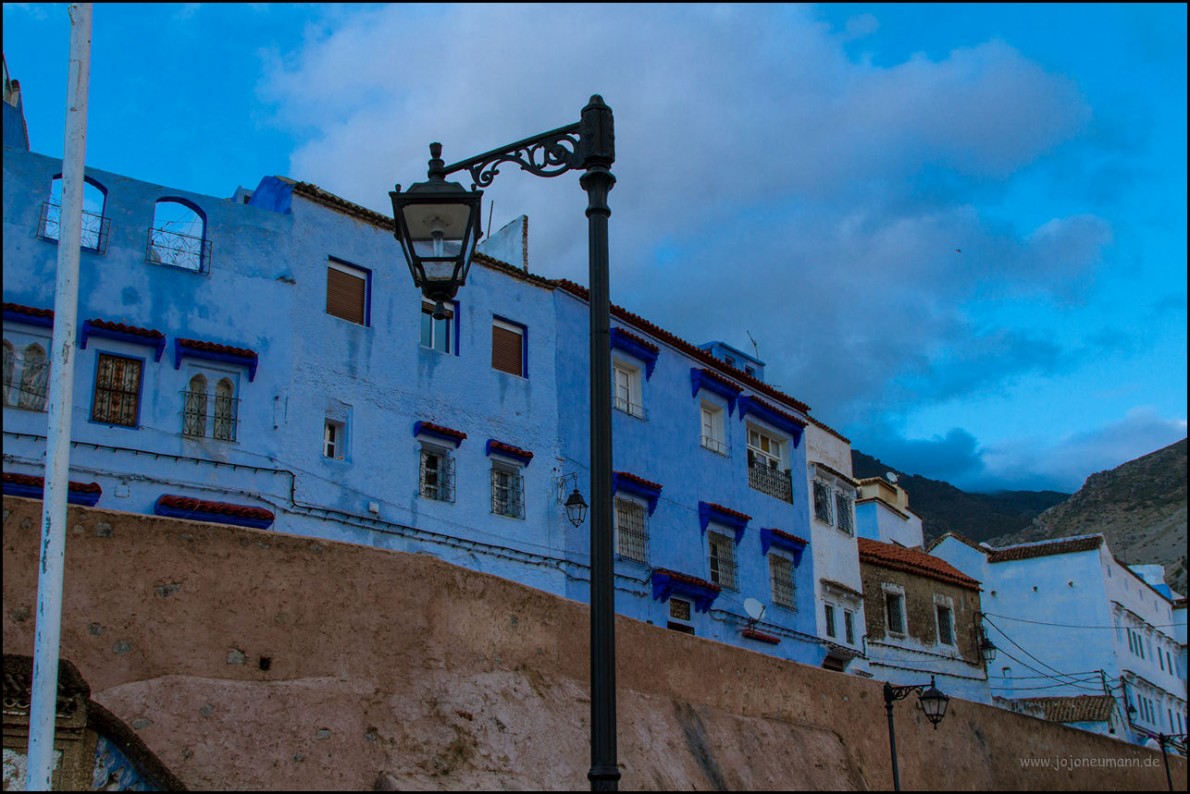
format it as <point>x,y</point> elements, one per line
<point>347,292</point>
<point>508,490</point>
<point>627,390</point>
<point>849,626</point>
<point>436,333</point>
<point>894,606</point>
<point>843,511</point>
<point>178,237</point>
<point>198,421</point>
<point>334,439</point>
<point>766,472</point>
<point>782,582</point>
<point>679,616</point>
<point>723,569</point>
<point>508,348</point>
<point>829,613</point>
<point>945,625</point>
<point>632,534</point>
<point>822,502</point>
<point>26,376</point>
<point>117,390</point>
<point>713,435</point>
<point>437,474</point>
<point>94,231</point>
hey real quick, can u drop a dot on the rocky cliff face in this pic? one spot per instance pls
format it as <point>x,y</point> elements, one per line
<point>1139,506</point>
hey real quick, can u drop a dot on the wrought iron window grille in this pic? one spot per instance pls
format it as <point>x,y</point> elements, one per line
<point>632,533</point>
<point>770,480</point>
<point>437,476</point>
<point>204,416</point>
<point>508,493</point>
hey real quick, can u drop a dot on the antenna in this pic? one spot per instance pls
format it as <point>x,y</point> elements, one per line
<point>755,611</point>
<point>491,210</point>
<point>755,348</point>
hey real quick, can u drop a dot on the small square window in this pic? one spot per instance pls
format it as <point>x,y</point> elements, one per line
<point>334,439</point>
<point>117,391</point>
<point>347,292</point>
<point>508,348</point>
<point>679,616</point>
<point>437,334</point>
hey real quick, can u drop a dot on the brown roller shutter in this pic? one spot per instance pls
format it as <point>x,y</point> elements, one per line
<point>345,295</point>
<point>507,351</point>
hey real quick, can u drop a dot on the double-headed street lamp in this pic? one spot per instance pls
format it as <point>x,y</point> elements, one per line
<point>933,703</point>
<point>437,225</point>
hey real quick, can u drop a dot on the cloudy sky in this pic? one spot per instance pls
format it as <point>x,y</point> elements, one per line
<point>958,232</point>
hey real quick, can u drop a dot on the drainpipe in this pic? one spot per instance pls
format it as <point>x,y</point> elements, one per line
<point>43,696</point>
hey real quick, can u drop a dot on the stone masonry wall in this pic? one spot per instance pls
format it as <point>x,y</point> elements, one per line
<point>253,660</point>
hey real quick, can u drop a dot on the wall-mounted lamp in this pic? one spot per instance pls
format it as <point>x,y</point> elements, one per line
<point>575,504</point>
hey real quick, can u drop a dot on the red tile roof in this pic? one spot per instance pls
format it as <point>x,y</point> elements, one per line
<point>509,449</point>
<point>29,310</point>
<point>649,484</point>
<point>900,558</point>
<point>442,431</point>
<point>739,515</point>
<point>789,536</point>
<point>686,578</point>
<point>216,508</point>
<point>647,345</point>
<point>1062,546</point>
<point>127,329</point>
<point>753,634</point>
<point>212,347</point>
<point>1077,708</point>
<point>33,481</point>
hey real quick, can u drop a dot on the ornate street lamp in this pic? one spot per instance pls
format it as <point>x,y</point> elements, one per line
<point>576,508</point>
<point>933,703</point>
<point>987,650</point>
<point>437,224</point>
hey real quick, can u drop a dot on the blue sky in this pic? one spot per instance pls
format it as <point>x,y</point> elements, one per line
<point>958,232</point>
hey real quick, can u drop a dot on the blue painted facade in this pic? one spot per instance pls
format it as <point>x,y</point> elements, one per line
<point>356,429</point>
<point>1071,621</point>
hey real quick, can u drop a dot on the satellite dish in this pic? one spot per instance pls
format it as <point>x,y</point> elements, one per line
<point>891,477</point>
<point>754,608</point>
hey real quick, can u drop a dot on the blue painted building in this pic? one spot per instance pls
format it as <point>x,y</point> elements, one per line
<point>1082,637</point>
<point>265,360</point>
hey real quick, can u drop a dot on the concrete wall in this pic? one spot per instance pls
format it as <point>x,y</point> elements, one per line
<point>399,668</point>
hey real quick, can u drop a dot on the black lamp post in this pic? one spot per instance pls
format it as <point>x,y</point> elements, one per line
<point>437,225</point>
<point>933,703</point>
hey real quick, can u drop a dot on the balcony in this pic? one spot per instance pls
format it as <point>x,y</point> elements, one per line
<point>178,250</point>
<point>92,237</point>
<point>771,481</point>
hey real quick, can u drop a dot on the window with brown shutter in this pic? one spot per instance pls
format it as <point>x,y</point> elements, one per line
<point>346,292</point>
<point>508,348</point>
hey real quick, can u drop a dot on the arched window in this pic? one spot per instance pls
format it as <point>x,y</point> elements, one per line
<point>93,235</point>
<point>35,378</point>
<point>194,411</point>
<point>225,410</point>
<point>178,236</point>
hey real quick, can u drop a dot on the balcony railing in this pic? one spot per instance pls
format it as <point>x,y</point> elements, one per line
<point>92,236</point>
<point>773,482</point>
<point>178,250</point>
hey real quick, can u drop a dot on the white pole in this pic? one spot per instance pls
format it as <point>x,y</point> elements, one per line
<point>43,696</point>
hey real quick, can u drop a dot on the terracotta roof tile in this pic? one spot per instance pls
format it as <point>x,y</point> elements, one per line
<point>509,449</point>
<point>127,329</point>
<point>737,514</point>
<point>1062,546</point>
<point>889,555</point>
<point>789,536</point>
<point>649,484</point>
<point>215,508</point>
<point>1078,708</point>
<point>33,481</point>
<point>212,347</point>
<point>439,430</point>
<point>687,579</point>
<point>31,311</point>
